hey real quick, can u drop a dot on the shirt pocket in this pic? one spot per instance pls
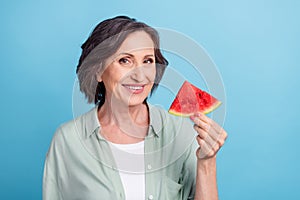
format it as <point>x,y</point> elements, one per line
<point>172,189</point>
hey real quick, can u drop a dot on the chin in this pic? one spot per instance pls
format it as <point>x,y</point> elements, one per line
<point>135,99</point>
<point>136,102</point>
<point>128,101</point>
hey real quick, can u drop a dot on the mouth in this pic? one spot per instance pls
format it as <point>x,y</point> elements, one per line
<point>133,88</point>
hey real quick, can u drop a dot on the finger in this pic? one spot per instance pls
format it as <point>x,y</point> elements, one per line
<point>213,136</point>
<point>204,151</point>
<point>202,124</point>
<point>204,129</point>
<point>217,133</point>
<point>202,118</point>
<point>204,135</point>
<point>212,144</point>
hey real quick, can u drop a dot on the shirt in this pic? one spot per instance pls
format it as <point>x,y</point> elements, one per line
<point>79,163</point>
<point>133,182</point>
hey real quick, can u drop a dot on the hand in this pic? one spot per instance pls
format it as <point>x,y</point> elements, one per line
<point>211,136</point>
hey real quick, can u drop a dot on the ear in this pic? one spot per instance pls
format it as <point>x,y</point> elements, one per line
<point>99,74</point>
<point>99,77</point>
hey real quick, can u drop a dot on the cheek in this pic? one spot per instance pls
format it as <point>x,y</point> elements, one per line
<point>151,73</point>
<point>111,77</point>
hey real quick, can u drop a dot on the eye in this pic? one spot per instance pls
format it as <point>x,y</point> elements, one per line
<point>125,61</point>
<point>149,61</point>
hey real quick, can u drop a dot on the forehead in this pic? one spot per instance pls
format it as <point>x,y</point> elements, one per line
<point>137,41</point>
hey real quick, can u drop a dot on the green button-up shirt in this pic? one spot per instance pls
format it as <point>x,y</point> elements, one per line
<point>80,164</point>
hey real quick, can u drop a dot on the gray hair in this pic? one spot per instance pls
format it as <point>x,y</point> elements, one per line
<point>103,42</point>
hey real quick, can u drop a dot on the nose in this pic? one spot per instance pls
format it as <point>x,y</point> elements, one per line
<point>138,74</point>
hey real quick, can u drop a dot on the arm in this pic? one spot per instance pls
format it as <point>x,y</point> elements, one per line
<point>50,186</point>
<point>211,138</point>
<point>206,181</point>
<point>50,189</point>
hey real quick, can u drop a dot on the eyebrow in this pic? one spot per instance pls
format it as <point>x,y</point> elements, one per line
<point>131,55</point>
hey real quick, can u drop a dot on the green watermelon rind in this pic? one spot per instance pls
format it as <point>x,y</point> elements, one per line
<point>208,110</point>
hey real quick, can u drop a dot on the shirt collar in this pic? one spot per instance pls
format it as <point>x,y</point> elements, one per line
<point>156,120</point>
<point>92,122</point>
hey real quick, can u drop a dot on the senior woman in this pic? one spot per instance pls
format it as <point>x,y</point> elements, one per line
<point>125,148</point>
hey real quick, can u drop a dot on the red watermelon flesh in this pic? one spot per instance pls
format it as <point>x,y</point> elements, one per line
<point>190,100</point>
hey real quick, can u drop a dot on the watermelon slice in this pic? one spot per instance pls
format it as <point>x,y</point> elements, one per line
<point>191,99</point>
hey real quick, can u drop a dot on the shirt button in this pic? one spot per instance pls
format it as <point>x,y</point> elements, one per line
<point>150,197</point>
<point>149,167</point>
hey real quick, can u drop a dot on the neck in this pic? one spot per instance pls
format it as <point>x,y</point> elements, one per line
<point>131,120</point>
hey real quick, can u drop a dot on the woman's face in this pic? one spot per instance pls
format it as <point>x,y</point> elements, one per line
<point>130,72</point>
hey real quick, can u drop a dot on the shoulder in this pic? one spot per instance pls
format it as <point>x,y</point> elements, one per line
<point>78,128</point>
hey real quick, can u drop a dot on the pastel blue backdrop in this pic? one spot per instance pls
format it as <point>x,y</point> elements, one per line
<point>254,44</point>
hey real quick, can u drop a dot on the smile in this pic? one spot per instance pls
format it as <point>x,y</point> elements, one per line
<point>135,89</point>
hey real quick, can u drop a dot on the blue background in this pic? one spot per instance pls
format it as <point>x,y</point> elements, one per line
<point>254,43</point>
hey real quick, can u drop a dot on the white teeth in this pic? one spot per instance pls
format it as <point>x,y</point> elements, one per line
<point>134,87</point>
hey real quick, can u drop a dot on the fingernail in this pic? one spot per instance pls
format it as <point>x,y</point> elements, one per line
<point>198,114</point>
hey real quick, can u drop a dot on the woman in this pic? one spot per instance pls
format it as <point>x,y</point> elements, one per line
<point>125,148</point>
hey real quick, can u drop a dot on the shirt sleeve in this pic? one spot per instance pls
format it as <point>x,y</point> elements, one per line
<point>50,187</point>
<point>189,172</point>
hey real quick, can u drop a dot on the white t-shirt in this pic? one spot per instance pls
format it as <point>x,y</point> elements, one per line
<point>129,159</point>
